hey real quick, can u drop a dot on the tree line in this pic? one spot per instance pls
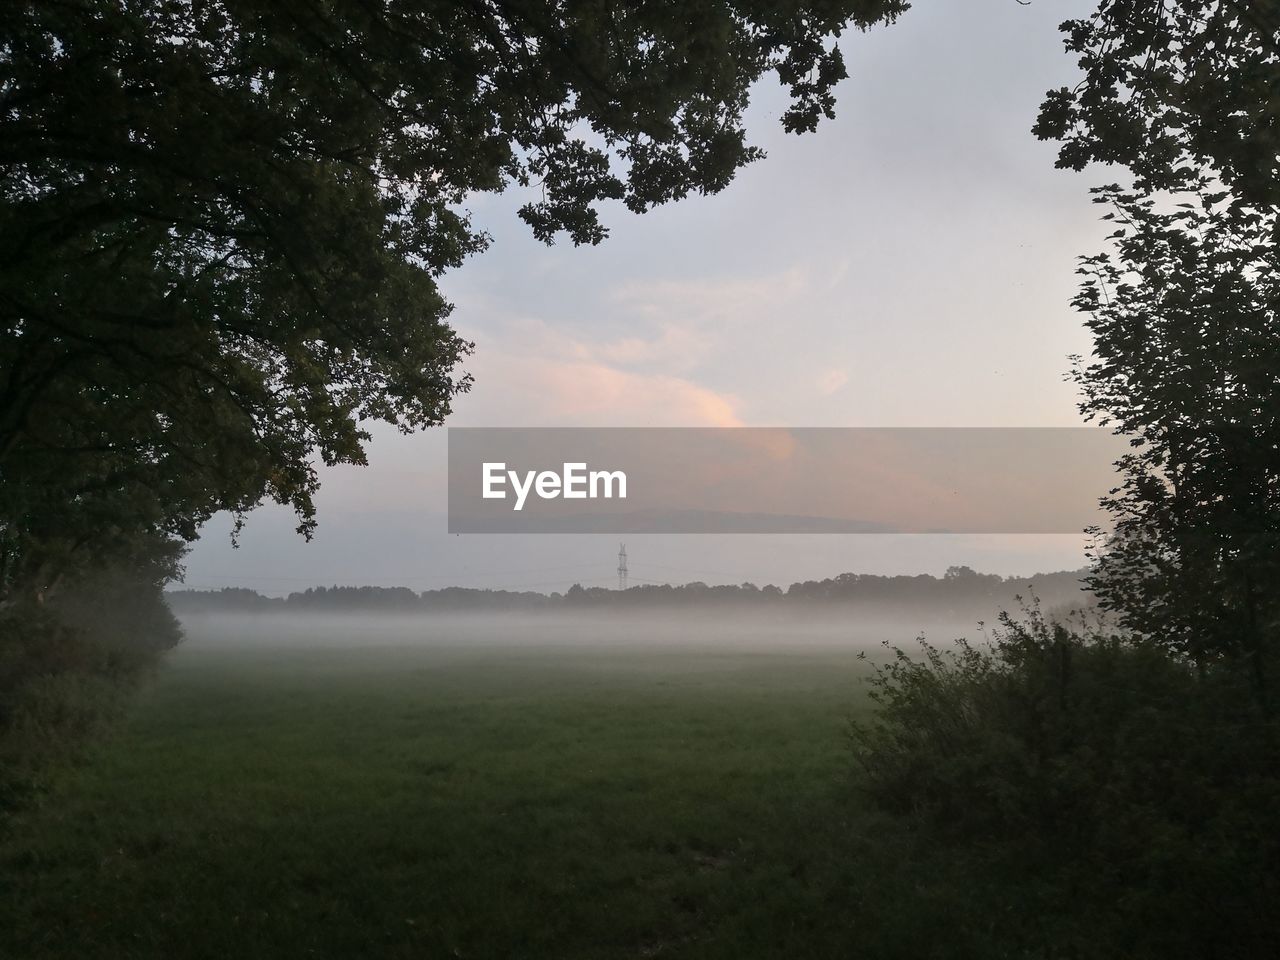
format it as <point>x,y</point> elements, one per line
<point>960,593</point>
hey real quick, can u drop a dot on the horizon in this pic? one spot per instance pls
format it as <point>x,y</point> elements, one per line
<point>784,586</point>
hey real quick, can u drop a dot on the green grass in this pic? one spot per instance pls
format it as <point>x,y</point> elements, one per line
<point>453,800</point>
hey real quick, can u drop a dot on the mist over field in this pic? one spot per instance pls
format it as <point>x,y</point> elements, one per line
<point>669,632</point>
<point>848,610</point>
<point>586,784</point>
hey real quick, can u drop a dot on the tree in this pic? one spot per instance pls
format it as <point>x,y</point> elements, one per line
<point>1186,339</point>
<point>1186,323</point>
<point>1171,89</point>
<point>222,222</point>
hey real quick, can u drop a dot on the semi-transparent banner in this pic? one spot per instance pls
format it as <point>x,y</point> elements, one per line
<point>779,480</point>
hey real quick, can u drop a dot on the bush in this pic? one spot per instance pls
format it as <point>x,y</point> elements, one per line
<point>66,668</point>
<point>1069,793</point>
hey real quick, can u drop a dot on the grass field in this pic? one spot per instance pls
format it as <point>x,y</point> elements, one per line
<point>354,791</point>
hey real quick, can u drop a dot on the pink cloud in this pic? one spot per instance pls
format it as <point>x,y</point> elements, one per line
<point>535,376</point>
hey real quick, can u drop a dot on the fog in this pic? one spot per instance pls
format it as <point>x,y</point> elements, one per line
<point>761,630</point>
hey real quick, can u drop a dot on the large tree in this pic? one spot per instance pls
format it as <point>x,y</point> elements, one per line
<point>222,221</point>
<point>1185,95</point>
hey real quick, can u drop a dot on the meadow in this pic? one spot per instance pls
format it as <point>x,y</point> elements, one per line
<point>353,788</point>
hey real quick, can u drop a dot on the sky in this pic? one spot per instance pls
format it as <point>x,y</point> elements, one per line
<point>909,264</point>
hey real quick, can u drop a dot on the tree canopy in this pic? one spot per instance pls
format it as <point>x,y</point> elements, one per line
<point>1171,89</point>
<point>222,223</point>
<point>1187,362</point>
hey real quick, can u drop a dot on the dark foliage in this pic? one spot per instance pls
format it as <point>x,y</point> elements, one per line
<point>1073,794</point>
<point>1187,363</point>
<point>66,666</point>
<point>1172,88</point>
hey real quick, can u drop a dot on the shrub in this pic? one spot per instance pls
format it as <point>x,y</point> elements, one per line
<point>66,668</point>
<point>1083,794</point>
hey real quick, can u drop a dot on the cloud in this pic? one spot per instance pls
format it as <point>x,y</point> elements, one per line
<point>695,302</point>
<point>594,393</point>
<point>646,360</point>
<point>673,348</point>
<point>831,381</point>
<point>533,375</point>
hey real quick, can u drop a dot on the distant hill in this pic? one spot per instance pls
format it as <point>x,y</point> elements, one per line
<point>961,592</point>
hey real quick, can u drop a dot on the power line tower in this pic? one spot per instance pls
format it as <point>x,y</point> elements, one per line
<point>622,566</point>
